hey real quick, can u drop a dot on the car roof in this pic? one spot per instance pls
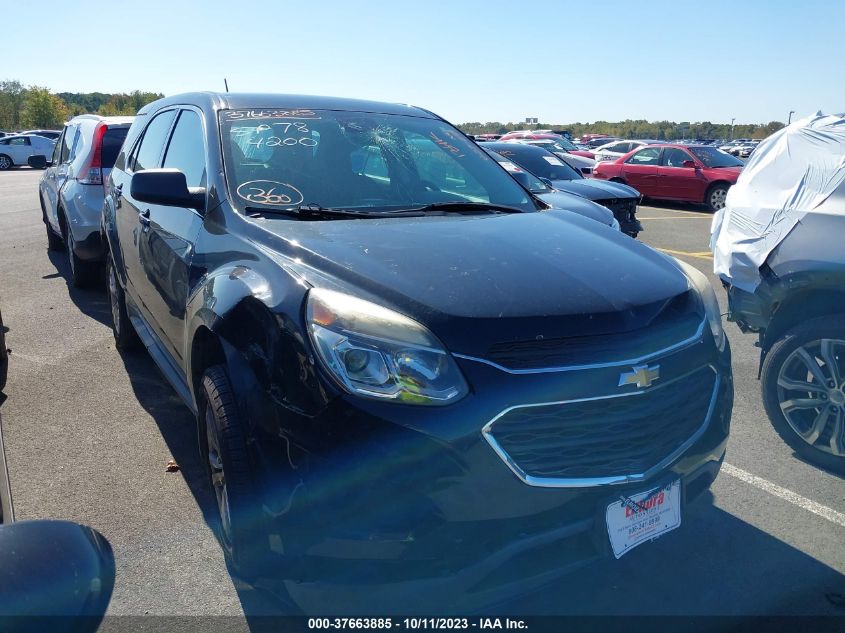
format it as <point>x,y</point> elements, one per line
<point>110,120</point>
<point>510,147</point>
<point>269,101</point>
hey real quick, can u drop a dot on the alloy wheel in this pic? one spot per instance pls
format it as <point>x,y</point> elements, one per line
<point>811,394</point>
<point>717,198</point>
<point>5,163</point>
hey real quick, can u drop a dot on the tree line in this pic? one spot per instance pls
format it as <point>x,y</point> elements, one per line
<point>638,128</point>
<point>24,107</point>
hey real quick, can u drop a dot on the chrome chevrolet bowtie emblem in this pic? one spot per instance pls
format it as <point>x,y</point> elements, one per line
<point>642,376</point>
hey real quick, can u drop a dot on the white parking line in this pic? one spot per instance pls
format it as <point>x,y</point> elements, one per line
<point>787,495</point>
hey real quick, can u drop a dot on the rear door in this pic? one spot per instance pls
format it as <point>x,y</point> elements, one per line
<point>676,181</point>
<point>166,244</point>
<point>640,171</point>
<point>56,174</point>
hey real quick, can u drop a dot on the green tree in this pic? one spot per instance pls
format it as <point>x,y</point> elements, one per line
<point>11,104</point>
<point>42,109</point>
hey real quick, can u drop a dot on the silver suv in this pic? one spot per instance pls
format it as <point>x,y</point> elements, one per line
<point>71,190</point>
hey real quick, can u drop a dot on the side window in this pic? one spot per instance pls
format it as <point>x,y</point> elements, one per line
<point>149,151</point>
<point>186,150</point>
<point>57,148</point>
<point>69,142</point>
<point>647,156</point>
<point>674,157</point>
<point>21,140</point>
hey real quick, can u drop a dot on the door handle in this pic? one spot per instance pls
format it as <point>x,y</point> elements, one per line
<point>144,217</point>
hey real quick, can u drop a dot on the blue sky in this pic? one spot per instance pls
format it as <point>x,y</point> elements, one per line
<point>467,60</point>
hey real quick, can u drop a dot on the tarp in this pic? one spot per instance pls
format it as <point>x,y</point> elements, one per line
<point>797,170</point>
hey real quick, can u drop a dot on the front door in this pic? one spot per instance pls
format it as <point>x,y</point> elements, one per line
<point>675,181</point>
<point>166,244</point>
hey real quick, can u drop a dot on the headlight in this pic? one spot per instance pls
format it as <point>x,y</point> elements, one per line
<point>378,353</point>
<point>708,297</point>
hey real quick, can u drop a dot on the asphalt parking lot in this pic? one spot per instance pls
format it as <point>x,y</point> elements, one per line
<point>89,433</point>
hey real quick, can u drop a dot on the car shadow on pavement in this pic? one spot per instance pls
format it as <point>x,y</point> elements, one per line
<point>715,564</point>
<point>672,205</point>
<point>177,426</point>
<point>92,302</point>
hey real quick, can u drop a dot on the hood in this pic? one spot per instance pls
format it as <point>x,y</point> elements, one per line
<point>480,279</point>
<point>579,205</point>
<point>593,189</point>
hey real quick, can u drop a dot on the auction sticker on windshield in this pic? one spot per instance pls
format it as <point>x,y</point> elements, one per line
<point>643,517</point>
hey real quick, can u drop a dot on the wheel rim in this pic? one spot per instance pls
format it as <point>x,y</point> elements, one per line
<point>811,394</point>
<point>218,477</point>
<point>4,162</point>
<point>717,198</point>
<point>115,304</point>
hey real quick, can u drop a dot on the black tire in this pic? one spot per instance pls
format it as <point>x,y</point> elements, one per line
<point>54,242</point>
<point>785,350</point>
<point>5,162</point>
<point>715,196</point>
<point>83,274</point>
<point>125,336</point>
<point>223,440</point>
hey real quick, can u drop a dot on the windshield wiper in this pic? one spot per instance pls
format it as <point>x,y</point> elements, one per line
<point>311,211</point>
<point>467,206</point>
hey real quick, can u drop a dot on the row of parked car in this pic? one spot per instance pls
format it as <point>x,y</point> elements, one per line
<point>371,317</point>
<point>700,174</point>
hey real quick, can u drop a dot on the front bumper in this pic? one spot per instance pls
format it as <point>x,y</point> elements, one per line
<point>412,501</point>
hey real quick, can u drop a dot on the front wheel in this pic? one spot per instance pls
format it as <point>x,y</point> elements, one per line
<point>803,384</point>
<point>716,196</point>
<point>223,439</point>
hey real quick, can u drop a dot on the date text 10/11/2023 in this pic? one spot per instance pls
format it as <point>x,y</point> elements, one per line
<point>417,623</point>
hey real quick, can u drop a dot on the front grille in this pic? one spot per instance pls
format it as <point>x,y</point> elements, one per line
<point>607,437</point>
<point>623,209</point>
<point>669,323</point>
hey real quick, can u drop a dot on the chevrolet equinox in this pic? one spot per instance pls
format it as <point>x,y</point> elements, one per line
<point>406,370</point>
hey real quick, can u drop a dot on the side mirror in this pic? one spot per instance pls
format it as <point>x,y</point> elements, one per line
<point>55,568</point>
<point>38,161</point>
<point>167,187</point>
<point>689,164</point>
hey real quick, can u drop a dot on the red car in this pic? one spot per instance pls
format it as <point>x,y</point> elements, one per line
<point>689,173</point>
<point>566,145</point>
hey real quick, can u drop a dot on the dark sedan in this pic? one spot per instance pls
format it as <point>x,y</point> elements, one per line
<point>620,199</point>
<point>552,197</point>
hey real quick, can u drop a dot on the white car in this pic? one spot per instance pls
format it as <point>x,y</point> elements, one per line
<point>617,149</point>
<point>15,150</point>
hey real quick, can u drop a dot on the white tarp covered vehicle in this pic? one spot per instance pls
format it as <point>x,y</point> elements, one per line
<point>796,171</point>
<point>779,247</point>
